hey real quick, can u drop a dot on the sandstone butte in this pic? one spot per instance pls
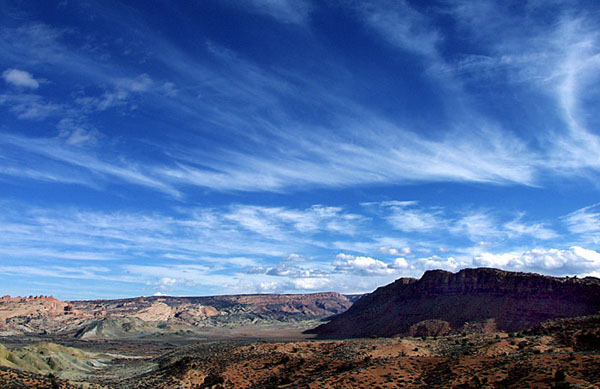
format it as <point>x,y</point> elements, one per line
<point>442,302</point>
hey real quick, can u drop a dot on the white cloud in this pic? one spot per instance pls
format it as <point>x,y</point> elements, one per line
<point>166,283</point>
<point>293,257</point>
<point>267,287</point>
<point>360,265</point>
<point>399,263</point>
<point>288,270</point>
<point>394,251</point>
<point>437,262</point>
<point>257,270</point>
<point>574,261</point>
<point>20,78</point>
<point>310,283</point>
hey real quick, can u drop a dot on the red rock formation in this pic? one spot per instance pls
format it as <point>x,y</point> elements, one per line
<point>515,300</point>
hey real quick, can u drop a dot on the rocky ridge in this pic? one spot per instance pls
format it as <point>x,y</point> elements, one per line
<point>441,302</point>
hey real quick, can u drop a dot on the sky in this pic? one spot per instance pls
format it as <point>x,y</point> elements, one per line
<point>293,146</point>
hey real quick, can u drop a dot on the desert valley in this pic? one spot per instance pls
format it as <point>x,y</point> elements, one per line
<point>472,329</point>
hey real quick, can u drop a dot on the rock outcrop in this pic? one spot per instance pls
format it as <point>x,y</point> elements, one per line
<point>513,301</point>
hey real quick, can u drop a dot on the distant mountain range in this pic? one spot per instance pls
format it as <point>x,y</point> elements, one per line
<point>480,299</point>
<point>159,315</point>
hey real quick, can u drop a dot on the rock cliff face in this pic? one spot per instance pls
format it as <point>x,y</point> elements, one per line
<point>511,301</point>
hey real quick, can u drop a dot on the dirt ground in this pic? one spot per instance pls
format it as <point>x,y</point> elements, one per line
<point>284,358</point>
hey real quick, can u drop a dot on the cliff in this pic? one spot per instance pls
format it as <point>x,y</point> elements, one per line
<point>507,300</point>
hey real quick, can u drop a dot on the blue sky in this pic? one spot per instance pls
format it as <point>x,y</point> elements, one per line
<point>215,147</point>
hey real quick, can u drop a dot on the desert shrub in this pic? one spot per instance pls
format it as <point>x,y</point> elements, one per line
<point>284,359</point>
<point>212,379</point>
<point>515,375</point>
<point>559,380</point>
<point>322,367</point>
<point>560,375</point>
<point>53,381</point>
<point>346,366</point>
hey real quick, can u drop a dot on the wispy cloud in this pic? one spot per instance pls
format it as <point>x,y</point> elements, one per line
<point>537,230</point>
<point>401,25</point>
<point>77,133</point>
<point>284,11</point>
<point>30,106</point>
<point>410,219</point>
<point>359,148</point>
<point>585,222</point>
<point>556,58</point>
<point>53,149</point>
